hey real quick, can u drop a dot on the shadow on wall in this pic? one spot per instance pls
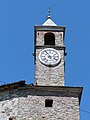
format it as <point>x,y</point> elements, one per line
<point>14,90</point>
<point>20,89</point>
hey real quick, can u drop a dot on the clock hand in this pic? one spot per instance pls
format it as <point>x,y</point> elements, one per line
<point>48,55</point>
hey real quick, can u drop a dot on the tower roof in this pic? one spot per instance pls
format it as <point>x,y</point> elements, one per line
<point>49,22</point>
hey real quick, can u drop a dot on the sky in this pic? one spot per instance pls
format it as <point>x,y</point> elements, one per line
<point>17,21</point>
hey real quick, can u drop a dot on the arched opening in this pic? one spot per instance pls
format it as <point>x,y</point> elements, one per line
<point>49,39</point>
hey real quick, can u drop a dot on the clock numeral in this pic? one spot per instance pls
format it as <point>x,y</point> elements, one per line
<point>56,58</point>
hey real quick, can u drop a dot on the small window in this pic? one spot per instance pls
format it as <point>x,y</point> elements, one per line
<point>12,118</point>
<point>49,39</point>
<point>48,103</point>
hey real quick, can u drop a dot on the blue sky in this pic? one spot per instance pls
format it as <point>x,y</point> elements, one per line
<point>17,20</point>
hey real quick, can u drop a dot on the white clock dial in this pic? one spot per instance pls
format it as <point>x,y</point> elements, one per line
<point>49,56</point>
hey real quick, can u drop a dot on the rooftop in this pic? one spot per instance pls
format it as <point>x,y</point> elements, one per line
<point>49,22</point>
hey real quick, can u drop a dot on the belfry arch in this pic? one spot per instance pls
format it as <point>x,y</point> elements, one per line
<point>49,39</point>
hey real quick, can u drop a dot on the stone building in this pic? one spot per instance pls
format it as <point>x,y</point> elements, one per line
<point>47,98</point>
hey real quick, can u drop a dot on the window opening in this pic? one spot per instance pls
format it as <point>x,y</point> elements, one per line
<point>48,103</point>
<point>49,39</point>
<point>12,118</point>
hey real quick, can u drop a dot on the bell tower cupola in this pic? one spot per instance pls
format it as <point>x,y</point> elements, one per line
<point>49,53</point>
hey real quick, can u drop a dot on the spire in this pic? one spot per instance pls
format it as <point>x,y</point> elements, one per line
<point>49,21</point>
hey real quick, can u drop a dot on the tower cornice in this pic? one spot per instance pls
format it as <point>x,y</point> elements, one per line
<point>50,28</point>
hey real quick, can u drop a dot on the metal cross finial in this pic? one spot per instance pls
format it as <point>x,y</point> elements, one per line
<point>49,13</point>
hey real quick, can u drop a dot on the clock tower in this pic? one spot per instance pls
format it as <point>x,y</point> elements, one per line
<point>47,98</point>
<point>49,52</point>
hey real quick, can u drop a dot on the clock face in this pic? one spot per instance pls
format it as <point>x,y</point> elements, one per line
<point>49,57</point>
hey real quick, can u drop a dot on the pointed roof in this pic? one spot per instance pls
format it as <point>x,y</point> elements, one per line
<point>49,22</point>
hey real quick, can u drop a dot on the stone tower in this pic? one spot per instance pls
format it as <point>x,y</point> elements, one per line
<point>48,98</point>
<point>49,42</point>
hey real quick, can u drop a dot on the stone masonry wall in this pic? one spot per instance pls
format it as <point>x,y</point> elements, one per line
<point>45,75</point>
<point>58,38</point>
<point>30,105</point>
